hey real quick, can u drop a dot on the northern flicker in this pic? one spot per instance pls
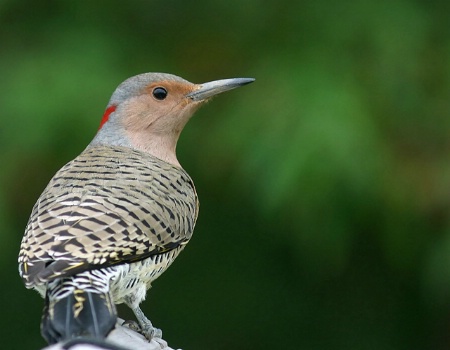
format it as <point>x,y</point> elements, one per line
<point>112,220</point>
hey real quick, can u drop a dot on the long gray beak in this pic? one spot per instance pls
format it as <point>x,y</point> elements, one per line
<point>212,88</point>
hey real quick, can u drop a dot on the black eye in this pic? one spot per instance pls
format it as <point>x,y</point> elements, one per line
<point>160,93</point>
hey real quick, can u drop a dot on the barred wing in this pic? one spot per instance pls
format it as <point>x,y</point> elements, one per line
<point>106,207</point>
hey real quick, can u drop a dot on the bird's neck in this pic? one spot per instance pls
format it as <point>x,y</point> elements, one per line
<point>158,145</point>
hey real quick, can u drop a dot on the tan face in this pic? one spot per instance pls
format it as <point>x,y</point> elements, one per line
<point>162,108</point>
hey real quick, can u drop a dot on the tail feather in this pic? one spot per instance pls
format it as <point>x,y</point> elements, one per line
<point>76,313</point>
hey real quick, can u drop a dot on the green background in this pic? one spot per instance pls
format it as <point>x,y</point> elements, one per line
<point>324,185</point>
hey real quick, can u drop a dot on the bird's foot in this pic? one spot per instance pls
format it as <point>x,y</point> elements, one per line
<point>150,332</point>
<point>147,329</point>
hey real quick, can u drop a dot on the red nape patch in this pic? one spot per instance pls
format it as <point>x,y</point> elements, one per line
<point>105,117</point>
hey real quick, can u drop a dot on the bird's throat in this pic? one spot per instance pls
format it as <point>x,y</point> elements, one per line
<point>162,146</point>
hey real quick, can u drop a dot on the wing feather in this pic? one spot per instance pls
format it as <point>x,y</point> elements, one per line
<point>106,207</point>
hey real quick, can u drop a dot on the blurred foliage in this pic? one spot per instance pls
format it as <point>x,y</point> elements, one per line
<point>324,186</point>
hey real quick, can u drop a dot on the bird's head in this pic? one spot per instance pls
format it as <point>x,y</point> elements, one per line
<point>148,111</point>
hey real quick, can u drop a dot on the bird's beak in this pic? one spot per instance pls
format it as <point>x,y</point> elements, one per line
<point>212,88</point>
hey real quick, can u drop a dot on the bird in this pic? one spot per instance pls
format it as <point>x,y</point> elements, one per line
<point>113,219</point>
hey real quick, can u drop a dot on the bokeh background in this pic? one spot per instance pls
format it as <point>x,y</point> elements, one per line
<point>324,186</point>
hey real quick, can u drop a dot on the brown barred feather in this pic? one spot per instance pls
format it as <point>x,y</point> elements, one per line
<point>108,206</point>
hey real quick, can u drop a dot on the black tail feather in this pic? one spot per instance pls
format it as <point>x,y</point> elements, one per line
<point>80,313</point>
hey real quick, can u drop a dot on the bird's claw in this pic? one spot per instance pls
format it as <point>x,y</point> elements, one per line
<point>151,332</point>
<point>148,331</point>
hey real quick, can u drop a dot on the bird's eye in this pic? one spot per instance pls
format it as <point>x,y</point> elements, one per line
<point>160,93</point>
